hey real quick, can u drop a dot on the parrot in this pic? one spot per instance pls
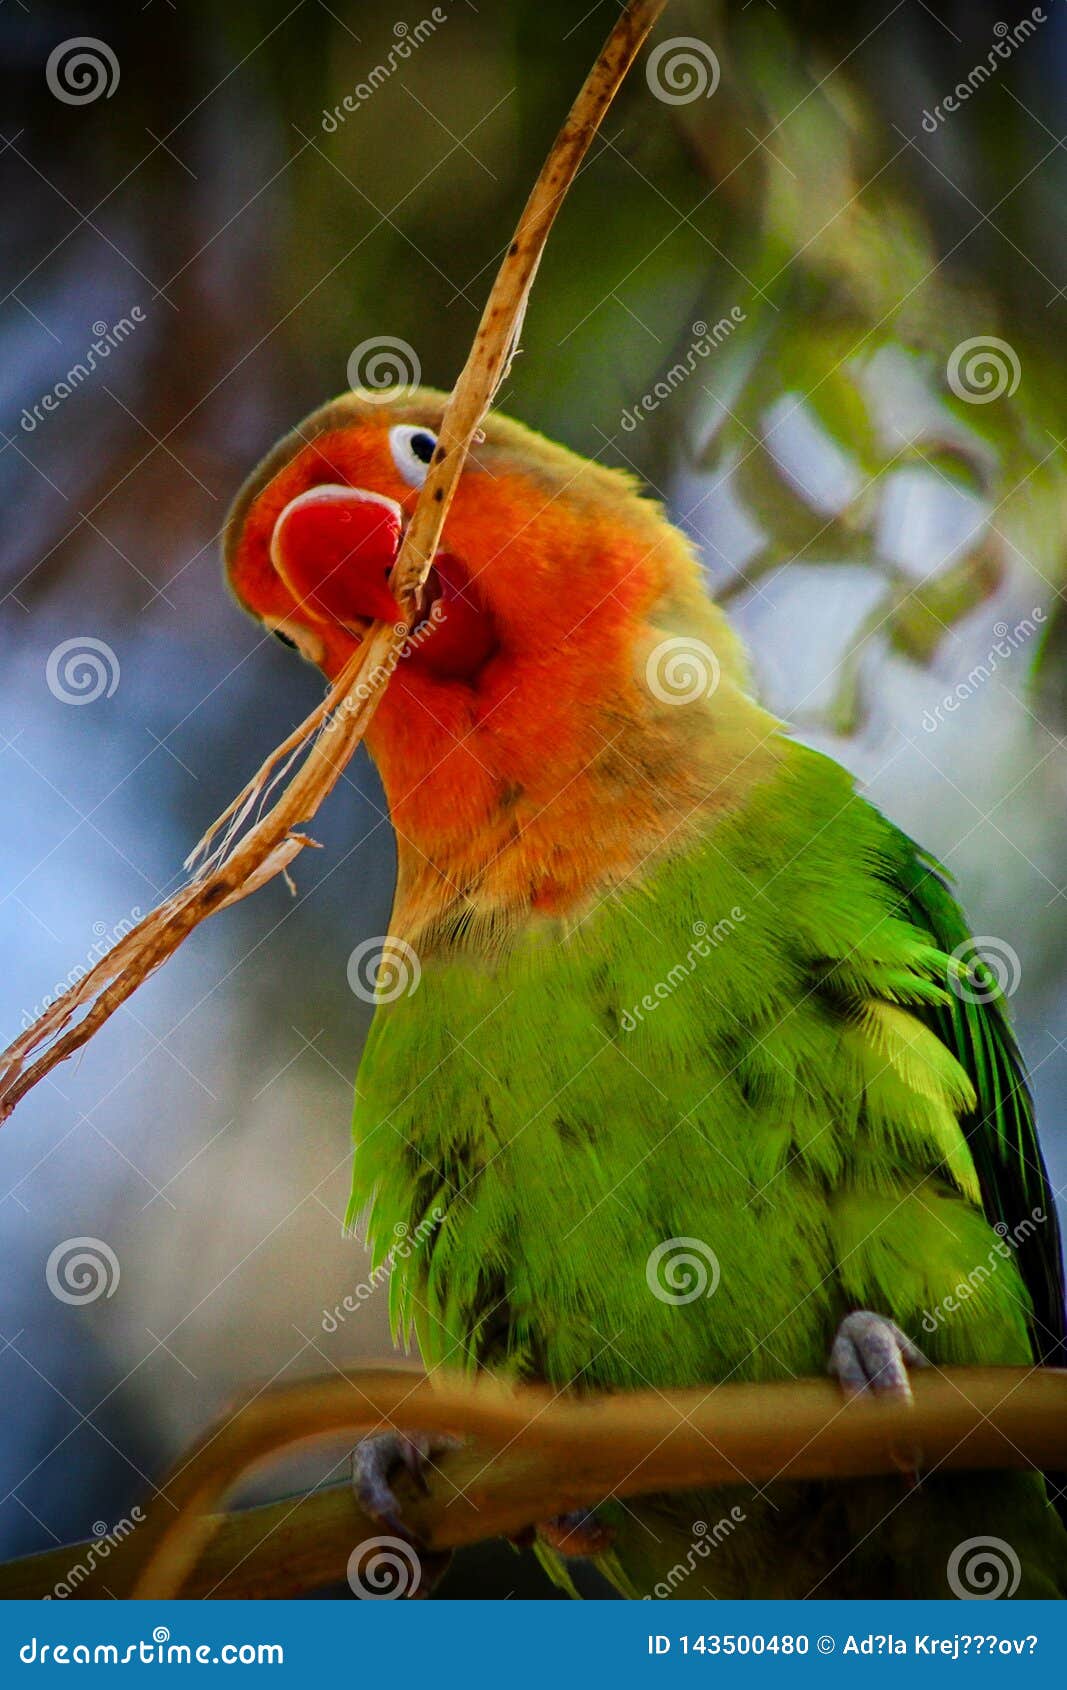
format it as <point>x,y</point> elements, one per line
<point>690,1071</point>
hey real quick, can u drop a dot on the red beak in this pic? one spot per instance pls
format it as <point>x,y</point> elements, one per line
<point>334,546</point>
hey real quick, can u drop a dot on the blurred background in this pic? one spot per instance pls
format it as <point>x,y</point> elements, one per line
<point>810,286</point>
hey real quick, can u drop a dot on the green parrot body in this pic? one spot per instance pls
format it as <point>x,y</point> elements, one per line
<point>720,1056</point>
<point>694,1059</point>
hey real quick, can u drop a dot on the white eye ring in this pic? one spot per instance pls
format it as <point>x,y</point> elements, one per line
<point>412,464</point>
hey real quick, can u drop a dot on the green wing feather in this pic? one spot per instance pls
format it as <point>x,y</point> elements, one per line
<point>1001,1133</point>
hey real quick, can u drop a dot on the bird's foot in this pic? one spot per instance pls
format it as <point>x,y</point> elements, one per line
<point>376,1463</point>
<point>576,1535</point>
<point>871,1353</point>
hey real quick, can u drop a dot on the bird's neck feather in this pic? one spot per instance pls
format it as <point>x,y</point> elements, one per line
<point>533,804</point>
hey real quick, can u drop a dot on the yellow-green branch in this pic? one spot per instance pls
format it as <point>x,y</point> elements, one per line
<point>529,1455</point>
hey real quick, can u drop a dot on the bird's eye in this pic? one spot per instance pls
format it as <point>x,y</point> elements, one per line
<point>278,635</point>
<point>413,450</point>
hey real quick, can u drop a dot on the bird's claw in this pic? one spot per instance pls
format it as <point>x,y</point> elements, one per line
<point>871,1353</point>
<point>578,1534</point>
<point>376,1462</point>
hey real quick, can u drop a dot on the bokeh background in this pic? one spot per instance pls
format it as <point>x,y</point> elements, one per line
<point>811,235</point>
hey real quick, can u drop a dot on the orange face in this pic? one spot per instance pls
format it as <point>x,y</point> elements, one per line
<point>522,666</point>
<point>318,543</point>
<point>531,561</point>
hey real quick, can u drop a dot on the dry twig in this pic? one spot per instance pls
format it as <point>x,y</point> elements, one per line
<point>241,863</point>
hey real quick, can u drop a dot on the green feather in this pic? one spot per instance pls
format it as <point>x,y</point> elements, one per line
<point>756,1047</point>
<point>1001,1130</point>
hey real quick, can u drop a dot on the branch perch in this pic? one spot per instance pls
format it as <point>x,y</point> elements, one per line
<point>531,1455</point>
<point>234,865</point>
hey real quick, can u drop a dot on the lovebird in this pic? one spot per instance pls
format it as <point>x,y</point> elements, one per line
<point>684,1068</point>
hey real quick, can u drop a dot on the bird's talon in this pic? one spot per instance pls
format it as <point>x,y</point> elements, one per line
<point>576,1535</point>
<point>871,1353</point>
<point>375,1463</point>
